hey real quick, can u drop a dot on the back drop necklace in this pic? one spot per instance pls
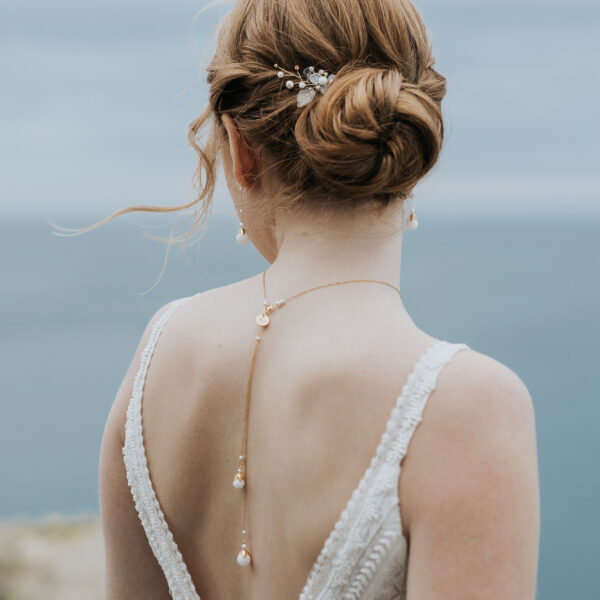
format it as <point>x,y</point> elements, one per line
<point>240,481</point>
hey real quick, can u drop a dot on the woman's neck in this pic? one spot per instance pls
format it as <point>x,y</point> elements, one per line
<point>314,251</point>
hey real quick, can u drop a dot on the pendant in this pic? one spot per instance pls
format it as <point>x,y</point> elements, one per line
<point>412,222</point>
<point>241,236</point>
<point>263,319</point>
<point>238,481</point>
<point>244,557</point>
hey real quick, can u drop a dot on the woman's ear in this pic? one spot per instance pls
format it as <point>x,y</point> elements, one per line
<point>243,158</point>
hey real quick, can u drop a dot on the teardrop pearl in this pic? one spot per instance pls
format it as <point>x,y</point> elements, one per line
<point>412,222</point>
<point>238,481</point>
<point>241,236</point>
<point>244,558</point>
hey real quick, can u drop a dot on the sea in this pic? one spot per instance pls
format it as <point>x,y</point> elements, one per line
<point>524,289</point>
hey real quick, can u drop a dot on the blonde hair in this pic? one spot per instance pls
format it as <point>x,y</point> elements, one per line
<point>371,137</point>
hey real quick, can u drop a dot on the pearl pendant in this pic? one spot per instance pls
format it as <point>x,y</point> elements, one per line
<point>241,237</point>
<point>244,558</point>
<point>412,222</point>
<point>238,481</point>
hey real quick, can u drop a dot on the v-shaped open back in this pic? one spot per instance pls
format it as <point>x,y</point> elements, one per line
<point>365,554</point>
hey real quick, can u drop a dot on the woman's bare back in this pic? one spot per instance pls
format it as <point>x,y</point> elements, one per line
<point>325,383</point>
<point>330,369</point>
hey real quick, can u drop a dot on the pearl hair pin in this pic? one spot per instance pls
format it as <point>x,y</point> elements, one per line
<point>309,82</point>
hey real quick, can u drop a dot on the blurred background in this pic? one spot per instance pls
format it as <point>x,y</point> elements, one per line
<point>95,102</point>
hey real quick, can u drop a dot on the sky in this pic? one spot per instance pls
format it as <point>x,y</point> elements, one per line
<point>96,98</point>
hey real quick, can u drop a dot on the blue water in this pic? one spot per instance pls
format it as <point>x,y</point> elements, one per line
<point>525,291</point>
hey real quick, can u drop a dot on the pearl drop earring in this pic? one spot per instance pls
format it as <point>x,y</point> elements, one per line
<point>241,236</point>
<point>411,222</point>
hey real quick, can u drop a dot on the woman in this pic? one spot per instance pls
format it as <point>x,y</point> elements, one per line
<point>323,446</point>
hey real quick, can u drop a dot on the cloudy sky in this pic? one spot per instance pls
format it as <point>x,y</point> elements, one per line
<point>96,97</point>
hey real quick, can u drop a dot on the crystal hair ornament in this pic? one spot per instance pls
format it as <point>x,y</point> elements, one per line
<point>309,82</point>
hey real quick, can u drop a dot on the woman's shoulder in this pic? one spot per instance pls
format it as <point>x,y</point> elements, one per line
<point>479,404</point>
<point>220,297</point>
<point>475,382</point>
<point>205,305</point>
<point>175,323</point>
<point>478,430</point>
<point>469,486</point>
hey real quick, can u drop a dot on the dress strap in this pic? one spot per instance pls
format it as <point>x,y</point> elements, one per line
<point>417,390</point>
<point>147,505</point>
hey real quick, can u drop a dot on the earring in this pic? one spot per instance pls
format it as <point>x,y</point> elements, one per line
<point>411,222</point>
<point>241,236</point>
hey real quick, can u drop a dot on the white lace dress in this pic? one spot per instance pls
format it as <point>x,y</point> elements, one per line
<point>365,555</point>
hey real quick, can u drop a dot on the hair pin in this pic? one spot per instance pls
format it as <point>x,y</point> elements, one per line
<point>309,82</point>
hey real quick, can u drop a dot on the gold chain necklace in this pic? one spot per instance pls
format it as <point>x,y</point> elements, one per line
<point>244,558</point>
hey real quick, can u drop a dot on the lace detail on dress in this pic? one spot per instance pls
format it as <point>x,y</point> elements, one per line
<point>151,515</point>
<point>365,554</point>
<point>350,563</point>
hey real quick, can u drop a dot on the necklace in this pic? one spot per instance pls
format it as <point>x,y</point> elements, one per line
<point>244,557</point>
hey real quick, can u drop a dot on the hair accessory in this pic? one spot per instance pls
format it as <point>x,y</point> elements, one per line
<point>309,82</point>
